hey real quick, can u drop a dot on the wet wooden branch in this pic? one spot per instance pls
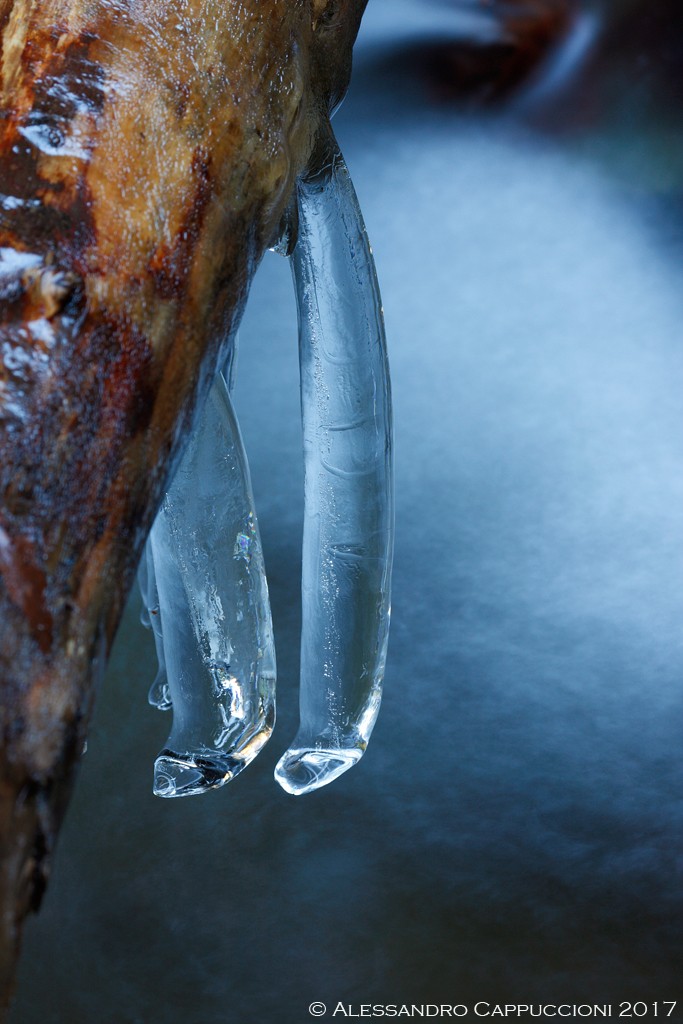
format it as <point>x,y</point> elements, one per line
<point>148,150</point>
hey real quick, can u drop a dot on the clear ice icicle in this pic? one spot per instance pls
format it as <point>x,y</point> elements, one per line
<point>143,583</point>
<point>348,521</point>
<point>159,694</point>
<point>214,610</point>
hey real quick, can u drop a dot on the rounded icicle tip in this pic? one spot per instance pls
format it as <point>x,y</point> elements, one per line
<point>303,771</point>
<point>188,776</point>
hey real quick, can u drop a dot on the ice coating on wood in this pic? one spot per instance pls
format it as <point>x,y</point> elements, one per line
<point>214,611</point>
<point>348,524</point>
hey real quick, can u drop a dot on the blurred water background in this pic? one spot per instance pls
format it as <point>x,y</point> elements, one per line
<point>514,832</point>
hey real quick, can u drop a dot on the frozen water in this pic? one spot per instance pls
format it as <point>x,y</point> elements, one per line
<point>197,608</point>
<point>348,523</point>
<point>204,559</point>
<point>159,692</point>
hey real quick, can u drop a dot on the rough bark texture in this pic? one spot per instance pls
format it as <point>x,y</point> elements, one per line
<point>148,150</point>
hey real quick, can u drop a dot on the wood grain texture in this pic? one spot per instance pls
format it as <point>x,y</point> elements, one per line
<point>148,151</point>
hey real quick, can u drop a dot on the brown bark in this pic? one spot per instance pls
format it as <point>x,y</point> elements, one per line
<point>148,150</point>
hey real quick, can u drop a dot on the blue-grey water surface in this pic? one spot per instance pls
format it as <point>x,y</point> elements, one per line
<point>514,832</point>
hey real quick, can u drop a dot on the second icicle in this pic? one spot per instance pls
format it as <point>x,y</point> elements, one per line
<point>348,522</point>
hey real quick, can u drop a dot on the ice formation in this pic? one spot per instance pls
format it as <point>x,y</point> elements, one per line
<point>202,576</point>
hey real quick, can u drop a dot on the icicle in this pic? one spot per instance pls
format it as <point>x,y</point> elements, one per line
<point>143,584</point>
<point>214,610</point>
<point>348,523</point>
<point>159,695</point>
